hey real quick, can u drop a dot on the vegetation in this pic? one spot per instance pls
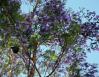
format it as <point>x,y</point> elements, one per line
<point>50,41</point>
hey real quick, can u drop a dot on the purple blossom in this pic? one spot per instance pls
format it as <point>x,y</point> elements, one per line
<point>44,28</point>
<point>97,16</point>
<point>67,18</point>
<point>24,40</point>
<point>28,31</point>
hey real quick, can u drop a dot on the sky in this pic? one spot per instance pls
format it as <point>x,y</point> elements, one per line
<point>92,5</point>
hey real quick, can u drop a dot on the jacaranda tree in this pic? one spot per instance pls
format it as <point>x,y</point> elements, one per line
<point>50,41</point>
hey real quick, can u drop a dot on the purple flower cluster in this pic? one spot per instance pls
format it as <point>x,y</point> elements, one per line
<point>89,29</point>
<point>14,1</point>
<point>52,15</point>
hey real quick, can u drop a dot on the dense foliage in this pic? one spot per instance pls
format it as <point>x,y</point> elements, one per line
<point>50,41</point>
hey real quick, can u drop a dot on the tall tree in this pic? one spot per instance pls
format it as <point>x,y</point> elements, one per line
<point>49,41</point>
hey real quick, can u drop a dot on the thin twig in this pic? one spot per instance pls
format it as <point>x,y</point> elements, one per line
<point>57,62</point>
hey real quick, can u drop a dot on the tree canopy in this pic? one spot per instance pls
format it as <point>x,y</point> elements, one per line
<point>49,41</point>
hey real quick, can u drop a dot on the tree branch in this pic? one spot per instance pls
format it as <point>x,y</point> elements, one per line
<point>37,70</point>
<point>59,59</point>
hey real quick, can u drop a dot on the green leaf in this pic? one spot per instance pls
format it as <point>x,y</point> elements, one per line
<point>18,17</point>
<point>78,49</point>
<point>13,42</point>
<point>68,38</point>
<point>50,55</point>
<point>75,29</point>
<point>53,56</point>
<point>35,36</point>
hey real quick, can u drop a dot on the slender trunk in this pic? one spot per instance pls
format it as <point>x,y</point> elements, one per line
<point>33,59</point>
<point>32,71</point>
<point>10,74</point>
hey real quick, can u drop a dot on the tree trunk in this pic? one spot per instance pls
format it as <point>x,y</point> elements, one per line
<point>32,71</point>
